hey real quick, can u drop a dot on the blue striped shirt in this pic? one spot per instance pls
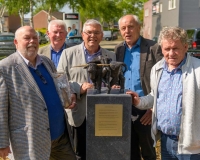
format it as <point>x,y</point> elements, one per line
<point>169,100</point>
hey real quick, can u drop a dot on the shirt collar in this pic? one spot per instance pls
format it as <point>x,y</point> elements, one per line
<point>137,43</point>
<point>165,67</point>
<point>63,47</point>
<point>28,63</point>
<point>87,53</point>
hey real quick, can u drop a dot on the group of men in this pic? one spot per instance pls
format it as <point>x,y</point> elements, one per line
<point>35,125</point>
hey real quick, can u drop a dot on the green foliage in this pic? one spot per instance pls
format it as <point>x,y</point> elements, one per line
<point>110,11</point>
<point>43,30</point>
<point>2,57</point>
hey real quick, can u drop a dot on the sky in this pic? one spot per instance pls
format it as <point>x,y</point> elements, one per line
<point>65,9</point>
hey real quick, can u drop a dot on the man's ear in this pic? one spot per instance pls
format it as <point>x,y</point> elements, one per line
<point>15,42</point>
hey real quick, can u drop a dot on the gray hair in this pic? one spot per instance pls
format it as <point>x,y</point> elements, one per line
<point>57,22</point>
<point>134,17</point>
<point>92,22</point>
<point>173,33</point>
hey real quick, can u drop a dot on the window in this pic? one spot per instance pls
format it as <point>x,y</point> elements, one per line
<point>160,7</point>
<point>172,4</point>
<point>146,13</point>
<point>155,8</point>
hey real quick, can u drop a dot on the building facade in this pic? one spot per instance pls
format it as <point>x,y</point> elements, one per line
<point>182,13</point>
<point>40,19</point>
<point>10,23</point>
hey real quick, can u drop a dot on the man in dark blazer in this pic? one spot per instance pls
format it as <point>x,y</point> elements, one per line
<point>140,55</point>
<point>33,123</point>
<point>57,33</point>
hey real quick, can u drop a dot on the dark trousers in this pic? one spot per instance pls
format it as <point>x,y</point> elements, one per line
<point>61,149</point>
<point>141,142</point>
<point>79,134</point>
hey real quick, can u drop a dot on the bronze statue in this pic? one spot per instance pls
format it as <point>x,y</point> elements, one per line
<point>95,74</point>
<point>103,69</point>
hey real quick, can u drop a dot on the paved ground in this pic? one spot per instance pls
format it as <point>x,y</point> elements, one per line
<point>110,45</point>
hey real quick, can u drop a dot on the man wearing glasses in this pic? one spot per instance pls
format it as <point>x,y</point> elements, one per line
<point>81,54</point>
<point>33,123</point>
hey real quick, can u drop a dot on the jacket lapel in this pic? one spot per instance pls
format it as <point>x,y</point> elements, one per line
<point>48,51</point>
<point>120,52</point>
<point>26,75</point>
<point>143,55</point>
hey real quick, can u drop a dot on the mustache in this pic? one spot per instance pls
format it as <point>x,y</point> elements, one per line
<point>31,45</point>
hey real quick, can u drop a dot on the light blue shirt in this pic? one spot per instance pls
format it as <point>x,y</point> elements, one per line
<point>55,56</point>
<point>132,75</point>
<point>169,100</point>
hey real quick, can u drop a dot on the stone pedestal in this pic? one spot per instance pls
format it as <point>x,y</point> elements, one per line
<point>108,126</point>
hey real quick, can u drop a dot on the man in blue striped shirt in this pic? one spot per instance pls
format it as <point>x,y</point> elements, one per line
<point>175,98</point>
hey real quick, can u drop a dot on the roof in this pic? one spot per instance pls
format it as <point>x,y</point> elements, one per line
<point>56,14</point>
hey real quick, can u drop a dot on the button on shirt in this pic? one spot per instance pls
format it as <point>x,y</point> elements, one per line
<point>55,56</point>
<point>169,100</point>
<point>132,75</point>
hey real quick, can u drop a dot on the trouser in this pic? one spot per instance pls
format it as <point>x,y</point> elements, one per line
<point>79,134</point>
<point>61,149</point>
<point>169,149</point>
<point>141,142</point>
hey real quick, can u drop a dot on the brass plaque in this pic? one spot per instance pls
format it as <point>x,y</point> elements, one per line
<point>108,119</point>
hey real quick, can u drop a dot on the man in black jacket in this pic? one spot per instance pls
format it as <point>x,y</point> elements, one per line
<point>139,54</point>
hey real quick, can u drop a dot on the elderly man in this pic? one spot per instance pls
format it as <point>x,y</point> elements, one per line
<point>81,54</point>
<point>57,33</point>
<point>139,54</point>
<point>33,122</point>
<point>175,98</point>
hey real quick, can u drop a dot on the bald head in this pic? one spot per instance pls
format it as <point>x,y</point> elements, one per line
<point>22,29</point>
<point>26,42</point>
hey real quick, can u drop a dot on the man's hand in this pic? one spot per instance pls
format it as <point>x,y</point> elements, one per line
<point>4,152</point>
<point>86,86</point>
<point>135,97</point>
<point>147,118</point>
<point>73,101</point>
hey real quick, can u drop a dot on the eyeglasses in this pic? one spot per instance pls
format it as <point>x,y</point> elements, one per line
<point>41,76</point>
<point>94,33</point>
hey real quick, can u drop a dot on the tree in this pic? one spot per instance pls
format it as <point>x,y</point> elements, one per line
<point>50,6</point>
<point>18,7</point>
<point>132,7</point>
<point>2,10</point>
<point>104,10</point>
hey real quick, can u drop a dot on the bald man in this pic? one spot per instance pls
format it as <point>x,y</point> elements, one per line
<point>33,123</point>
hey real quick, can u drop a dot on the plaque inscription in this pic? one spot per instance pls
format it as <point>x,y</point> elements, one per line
<point>108,119</point>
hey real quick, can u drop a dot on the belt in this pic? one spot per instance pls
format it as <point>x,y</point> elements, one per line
<point>174,137</point>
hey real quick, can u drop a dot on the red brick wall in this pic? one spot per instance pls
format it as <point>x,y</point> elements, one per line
<point>147,25</point>
<point>40,20</point>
